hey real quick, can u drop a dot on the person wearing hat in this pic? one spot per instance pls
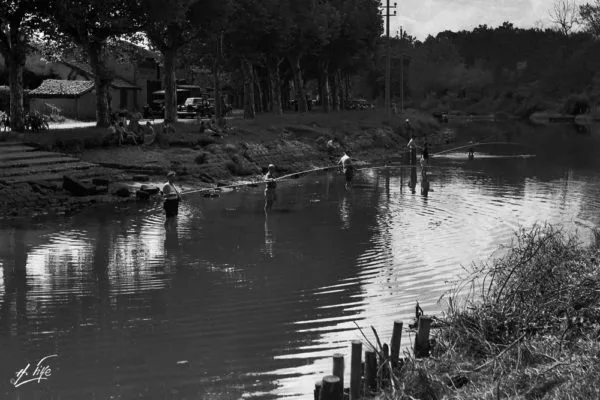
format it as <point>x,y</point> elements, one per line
<point>172,197</point>
<point>347,168</point>
<point>270,195</point>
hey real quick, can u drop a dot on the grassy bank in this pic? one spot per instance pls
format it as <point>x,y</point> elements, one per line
<point>528,328</point>
<point>292,141</point>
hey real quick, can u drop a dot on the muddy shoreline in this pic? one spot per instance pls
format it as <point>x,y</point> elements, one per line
<point>238,156</point>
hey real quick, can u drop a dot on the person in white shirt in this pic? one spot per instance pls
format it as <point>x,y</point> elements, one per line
<point>348,169</point>
<point>411,143</point>
<point>172,197</point>
<point>270,195</point>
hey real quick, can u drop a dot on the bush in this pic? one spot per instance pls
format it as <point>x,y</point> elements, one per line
<point>545,278</point>
<point>576,104</point>
<point>201,158</point>
<point>206,141</point>
<point>230,148</point>
<point>529,106</point>
<point>36,121</point>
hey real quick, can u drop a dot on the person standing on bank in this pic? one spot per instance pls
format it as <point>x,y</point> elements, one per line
<point>270,195</point>
<point>172,197</point>
<point>347,168</point>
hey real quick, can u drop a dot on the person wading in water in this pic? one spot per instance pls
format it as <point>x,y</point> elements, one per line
<point>347,168</point>
<point>425,153</point>
<point>270,195</point>
<point>172,197</point>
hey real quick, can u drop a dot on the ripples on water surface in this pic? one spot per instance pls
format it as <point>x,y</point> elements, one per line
<point>257,306</point>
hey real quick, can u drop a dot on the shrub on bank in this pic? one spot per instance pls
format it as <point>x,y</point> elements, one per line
<point>576,104</point>
<point>527,327</point>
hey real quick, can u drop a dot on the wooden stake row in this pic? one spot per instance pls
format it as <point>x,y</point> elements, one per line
<point>369,377</point>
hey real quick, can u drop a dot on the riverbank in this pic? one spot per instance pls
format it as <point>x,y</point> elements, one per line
<point>293,142</point>
<point>528,328</point>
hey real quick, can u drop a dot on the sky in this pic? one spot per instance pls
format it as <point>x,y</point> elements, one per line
<point>423,17</point>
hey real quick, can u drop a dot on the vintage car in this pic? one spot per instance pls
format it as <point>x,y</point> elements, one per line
<point>156,109</point>
<point>194,106</point>
<point>359,104</point>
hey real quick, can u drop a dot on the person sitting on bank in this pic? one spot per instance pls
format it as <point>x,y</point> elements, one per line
<point>270,195</point>
<point>149,134</point>
<point>347,168</point>
<point>172,197</point>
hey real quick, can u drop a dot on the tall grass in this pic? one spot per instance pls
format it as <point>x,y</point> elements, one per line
<point>527,327</point>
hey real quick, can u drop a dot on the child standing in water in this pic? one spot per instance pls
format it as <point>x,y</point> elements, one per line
<point>270,195</point>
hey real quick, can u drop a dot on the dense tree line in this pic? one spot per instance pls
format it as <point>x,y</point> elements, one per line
<point>263,41</point>
<point>275,47</point>
<point>504,68</point>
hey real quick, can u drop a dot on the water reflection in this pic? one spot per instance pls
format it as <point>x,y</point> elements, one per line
<point>269,248</point>
<point>255,304</point>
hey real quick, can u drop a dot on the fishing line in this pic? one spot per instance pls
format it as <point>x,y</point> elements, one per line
<point>365,167</point>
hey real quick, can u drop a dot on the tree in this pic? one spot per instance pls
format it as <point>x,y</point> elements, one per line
<point>564,14</point>
<point>590,17</point>
<point>18,21</point>
<point>169,26</point>
<point>93,25</point>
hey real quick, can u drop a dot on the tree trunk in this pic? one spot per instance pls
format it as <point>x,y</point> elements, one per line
<point>218,97</point>
<point>335,100</point>
<point>17,123</point>
<point>259,92</point>
<point>341,87</point>
<point>325,87</point>
<point>266,93</point>
<point>298,83</point>
<point>285,94</point>
<point>217,82</point>
<point>170,85</point>
<point>247,71</point>
<point>275,86</point>
<point>102,80</point>
<point>269,92</point>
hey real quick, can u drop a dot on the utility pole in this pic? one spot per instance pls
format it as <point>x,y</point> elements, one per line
<point>387,16</point>
<point>402,72</point>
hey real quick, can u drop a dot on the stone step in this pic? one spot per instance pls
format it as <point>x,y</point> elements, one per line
<point>9,144</point>
<point>58,176</point>
<point>28,155</point>
<point>15,148</point>
<point>36,162</point>
<point>66,167</point>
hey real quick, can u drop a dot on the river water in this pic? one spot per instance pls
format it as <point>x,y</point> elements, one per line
<point>256,306</point>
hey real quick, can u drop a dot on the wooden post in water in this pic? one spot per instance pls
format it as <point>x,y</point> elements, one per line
<point>395,343</point>
<point>355,370</point>
<point>331,389</point>
<point>338,367</point>
<point>317,391</point>
<point>422,339</point>
<point>370,371</point>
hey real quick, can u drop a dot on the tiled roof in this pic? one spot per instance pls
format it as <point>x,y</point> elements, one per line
<point>122,84</point>
<point>62,88</point>
<point>118,83</point>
